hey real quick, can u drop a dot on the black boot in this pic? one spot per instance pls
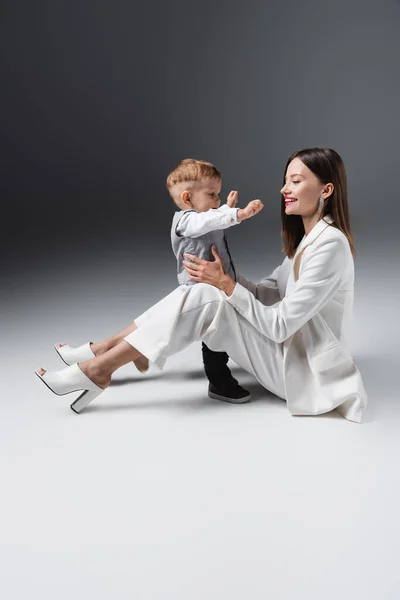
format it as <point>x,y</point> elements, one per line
<point>222,386</point>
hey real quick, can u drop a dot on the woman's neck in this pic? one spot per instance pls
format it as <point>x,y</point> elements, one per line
<point>309,222</point>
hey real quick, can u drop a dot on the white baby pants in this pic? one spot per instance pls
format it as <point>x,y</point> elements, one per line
<point>201,312</point>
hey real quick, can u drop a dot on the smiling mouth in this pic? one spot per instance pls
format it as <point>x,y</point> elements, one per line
<point>290,200</point>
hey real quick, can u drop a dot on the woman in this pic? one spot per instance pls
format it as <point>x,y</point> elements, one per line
<point>289,330</point>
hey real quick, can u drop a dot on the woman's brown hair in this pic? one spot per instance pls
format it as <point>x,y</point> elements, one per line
<point>328,166</point>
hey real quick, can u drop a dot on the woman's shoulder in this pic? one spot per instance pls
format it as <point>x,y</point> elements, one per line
<point>333,236</point>
<point>329,247</point>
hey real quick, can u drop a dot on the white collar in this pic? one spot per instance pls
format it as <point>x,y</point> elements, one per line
<point>318,228</point>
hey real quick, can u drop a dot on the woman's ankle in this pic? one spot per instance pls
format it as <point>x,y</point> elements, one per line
<point>96,372</point>
<point>100,348</point>
<point>142,364</point>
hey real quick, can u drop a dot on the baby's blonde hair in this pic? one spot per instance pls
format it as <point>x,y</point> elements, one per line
<point>187,174</point>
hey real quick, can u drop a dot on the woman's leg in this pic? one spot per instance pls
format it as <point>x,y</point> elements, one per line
<point>100,348</point>
<point>194,309</point>
<point>204,314</point>
<point>100,369</point>
<point>181,318</point>
<point>105,345</point>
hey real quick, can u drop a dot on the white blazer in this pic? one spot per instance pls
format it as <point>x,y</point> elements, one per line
<point>310,317</point>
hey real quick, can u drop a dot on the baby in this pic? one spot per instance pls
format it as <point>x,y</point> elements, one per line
<point>194,186</point>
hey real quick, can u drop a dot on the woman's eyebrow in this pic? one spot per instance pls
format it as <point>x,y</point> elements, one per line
<point>294,175</point>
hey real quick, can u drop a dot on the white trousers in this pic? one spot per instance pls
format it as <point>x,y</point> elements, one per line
<point>200,312</point>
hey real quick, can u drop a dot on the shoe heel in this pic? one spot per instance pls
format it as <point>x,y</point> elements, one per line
<point>84,399</point>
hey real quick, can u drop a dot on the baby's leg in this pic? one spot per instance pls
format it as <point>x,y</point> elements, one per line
<point>222,385</point>
<point>215,365</point>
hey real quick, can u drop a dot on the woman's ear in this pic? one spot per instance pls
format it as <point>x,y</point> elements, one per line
<point>327,191</point>
<point>185,198</point>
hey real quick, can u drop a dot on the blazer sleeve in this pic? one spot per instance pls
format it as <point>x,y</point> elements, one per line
<point>266,290</point>
<point>322,272</point>
<point>193,224</point>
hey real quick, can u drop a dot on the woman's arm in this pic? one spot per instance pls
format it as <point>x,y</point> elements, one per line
<point>266,290</point>
<point>320,278</point>
<point>212,272</point>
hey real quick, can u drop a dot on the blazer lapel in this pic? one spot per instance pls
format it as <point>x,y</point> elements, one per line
<point>314,233</point>
<point>307,240</point>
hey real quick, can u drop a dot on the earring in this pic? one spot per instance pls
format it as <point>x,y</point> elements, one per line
<point>321,204</point>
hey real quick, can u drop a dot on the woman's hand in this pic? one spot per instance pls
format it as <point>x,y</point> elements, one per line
<point>212,272</point>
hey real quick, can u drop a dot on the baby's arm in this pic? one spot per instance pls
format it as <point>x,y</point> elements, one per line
<point>194,224</point>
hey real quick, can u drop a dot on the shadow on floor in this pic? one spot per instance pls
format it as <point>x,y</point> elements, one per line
<point>378,372</point>
<point>192,403</point>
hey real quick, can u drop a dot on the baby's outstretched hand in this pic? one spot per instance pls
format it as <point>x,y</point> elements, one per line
<point>252,209</point>
<point>232,199</point>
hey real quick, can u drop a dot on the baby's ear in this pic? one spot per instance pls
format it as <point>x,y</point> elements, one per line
<point>185,198</point>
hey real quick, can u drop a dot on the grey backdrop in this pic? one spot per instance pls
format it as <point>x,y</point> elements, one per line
<point>100,100</point>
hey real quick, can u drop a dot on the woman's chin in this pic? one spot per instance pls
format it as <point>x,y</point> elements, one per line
<point>289,210</point>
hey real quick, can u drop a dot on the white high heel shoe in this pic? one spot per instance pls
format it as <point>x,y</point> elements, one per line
<point>75,355</point>
<point>72,379</point>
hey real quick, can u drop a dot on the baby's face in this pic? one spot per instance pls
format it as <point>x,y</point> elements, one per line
<point>206,195</point>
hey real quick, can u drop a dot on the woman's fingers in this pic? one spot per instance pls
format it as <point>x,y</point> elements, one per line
<point>195,275</point>
<point>204,271</point>
<point>196,259</point>
<point>190,265</point>
<point>215,254</point>
<point>196,272</point>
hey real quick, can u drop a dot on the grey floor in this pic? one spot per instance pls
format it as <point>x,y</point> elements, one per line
<point>157,492</point>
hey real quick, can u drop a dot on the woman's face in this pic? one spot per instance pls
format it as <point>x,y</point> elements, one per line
<point>302,190</point>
